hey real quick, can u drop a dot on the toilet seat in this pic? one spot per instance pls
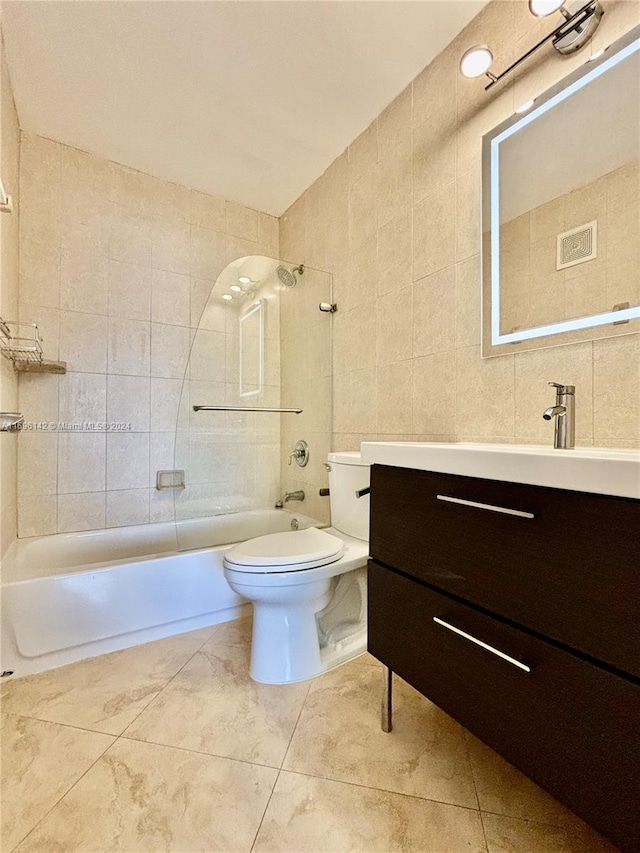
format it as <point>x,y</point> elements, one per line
<point>293,551</point>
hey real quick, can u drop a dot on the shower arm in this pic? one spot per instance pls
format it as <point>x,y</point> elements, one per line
<point>243,409</point>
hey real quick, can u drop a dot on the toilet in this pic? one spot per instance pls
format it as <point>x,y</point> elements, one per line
<point>308,587</point>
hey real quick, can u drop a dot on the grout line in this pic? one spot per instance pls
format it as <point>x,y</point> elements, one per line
<point>56,723</point>
<point>69,789</point>
<point>284,758</point>
<point>470,765</point>
<point>197,752</point>
<point>384,790</point>
<point>565,826</point>
<point>115,651</point>
<point>255,837</point>
<point>164,687</point>
<point>484,832</point>
<point>302,706</point>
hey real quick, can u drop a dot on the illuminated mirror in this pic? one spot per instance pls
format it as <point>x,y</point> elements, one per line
<point>561,214</point>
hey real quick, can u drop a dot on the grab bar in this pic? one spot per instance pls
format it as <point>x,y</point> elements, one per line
<point>242,409</point>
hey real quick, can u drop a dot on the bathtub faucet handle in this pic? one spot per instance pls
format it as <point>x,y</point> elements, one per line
<point>300,453</point>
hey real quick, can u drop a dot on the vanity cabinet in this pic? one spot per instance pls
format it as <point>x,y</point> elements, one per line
<point>515,609</point>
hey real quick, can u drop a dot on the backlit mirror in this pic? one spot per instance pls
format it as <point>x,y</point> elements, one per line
<point>561,211</point>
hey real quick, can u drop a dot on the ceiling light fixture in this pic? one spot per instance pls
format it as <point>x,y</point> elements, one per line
<point>580,21</point>
<point>227,297</point>
<point>244,279</point>
<point>236,288</point>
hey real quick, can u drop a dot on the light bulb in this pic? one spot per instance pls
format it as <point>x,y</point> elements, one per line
<point>523,108</point>
<point>542,8</point>
<point>244,279</point>
<point>227,297</point>
<point>476,61</point>
<point>236,288</point>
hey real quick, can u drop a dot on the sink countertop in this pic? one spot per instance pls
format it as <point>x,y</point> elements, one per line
<point>585,469</point>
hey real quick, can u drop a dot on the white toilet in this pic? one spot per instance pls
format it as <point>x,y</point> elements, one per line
<point>308,587</point>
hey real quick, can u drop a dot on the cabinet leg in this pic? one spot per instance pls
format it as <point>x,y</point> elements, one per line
<point>387,699</point>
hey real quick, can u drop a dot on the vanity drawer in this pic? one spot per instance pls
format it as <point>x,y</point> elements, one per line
<point>569,725</point>
<point>564,564</point>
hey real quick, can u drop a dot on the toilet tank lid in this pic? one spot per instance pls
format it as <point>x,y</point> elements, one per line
<point>347,457</point>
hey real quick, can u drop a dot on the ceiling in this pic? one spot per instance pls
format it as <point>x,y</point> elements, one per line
<point>248,100</point>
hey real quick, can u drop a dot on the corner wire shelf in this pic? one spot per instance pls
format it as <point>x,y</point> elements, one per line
<point>21,344</point>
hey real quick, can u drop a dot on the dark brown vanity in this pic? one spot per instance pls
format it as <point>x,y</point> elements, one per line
<point>516,609</point>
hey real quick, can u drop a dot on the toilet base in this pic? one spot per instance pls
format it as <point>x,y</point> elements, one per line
<point>315,627</point>
<point>284,645</point>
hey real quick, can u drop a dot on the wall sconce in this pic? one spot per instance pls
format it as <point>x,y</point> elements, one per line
<point>579,24</point>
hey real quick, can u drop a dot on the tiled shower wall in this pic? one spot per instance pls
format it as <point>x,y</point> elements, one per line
<point>116,267</point>
<point>395,219</point>
<point>9,226</point>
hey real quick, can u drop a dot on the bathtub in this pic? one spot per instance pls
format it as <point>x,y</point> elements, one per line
<point>76,595</point>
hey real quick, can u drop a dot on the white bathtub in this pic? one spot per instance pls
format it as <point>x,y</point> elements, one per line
<point>76,595</point>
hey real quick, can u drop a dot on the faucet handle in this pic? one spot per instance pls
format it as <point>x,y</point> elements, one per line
<point>563,389</point>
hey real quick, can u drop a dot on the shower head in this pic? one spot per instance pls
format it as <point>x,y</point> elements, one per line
<point>289,277</point>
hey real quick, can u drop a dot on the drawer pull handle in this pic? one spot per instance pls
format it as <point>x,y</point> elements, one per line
<point>482,645</point>
<point>490,507</point>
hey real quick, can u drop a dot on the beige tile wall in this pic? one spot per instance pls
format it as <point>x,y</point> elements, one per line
<point>9,228</point>
<point>533,292</point>
<point>395,219</point>
<point>116,267</point>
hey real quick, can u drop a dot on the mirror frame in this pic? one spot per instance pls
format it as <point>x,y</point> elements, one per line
<point>574,330</point>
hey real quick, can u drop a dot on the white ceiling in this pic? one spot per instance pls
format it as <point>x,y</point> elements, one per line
<point>250,101</point>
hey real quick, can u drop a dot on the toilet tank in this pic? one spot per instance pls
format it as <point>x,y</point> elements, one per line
<point>349,514</point>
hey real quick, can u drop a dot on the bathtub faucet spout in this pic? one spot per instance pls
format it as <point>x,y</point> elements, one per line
<point>290,496</point>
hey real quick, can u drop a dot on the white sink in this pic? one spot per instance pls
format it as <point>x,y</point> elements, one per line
<point>585,469</point>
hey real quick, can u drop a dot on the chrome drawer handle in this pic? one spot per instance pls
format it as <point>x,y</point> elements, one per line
<point>490,507</point>
<point>482,645</point>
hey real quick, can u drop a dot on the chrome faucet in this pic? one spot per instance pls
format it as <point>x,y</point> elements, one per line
<point>290,496</point>
<point>564,412</point>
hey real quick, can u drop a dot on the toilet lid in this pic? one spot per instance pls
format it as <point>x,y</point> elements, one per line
<point>291,551</point>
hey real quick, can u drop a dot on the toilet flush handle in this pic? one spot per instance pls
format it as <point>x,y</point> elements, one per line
<point>360,493</point>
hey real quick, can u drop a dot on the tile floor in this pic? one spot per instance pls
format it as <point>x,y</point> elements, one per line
<point>171,747</point>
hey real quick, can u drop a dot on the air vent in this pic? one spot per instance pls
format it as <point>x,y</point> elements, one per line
<point>577,246</point>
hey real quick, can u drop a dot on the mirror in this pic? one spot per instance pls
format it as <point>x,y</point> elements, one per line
<point>561,211</point>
